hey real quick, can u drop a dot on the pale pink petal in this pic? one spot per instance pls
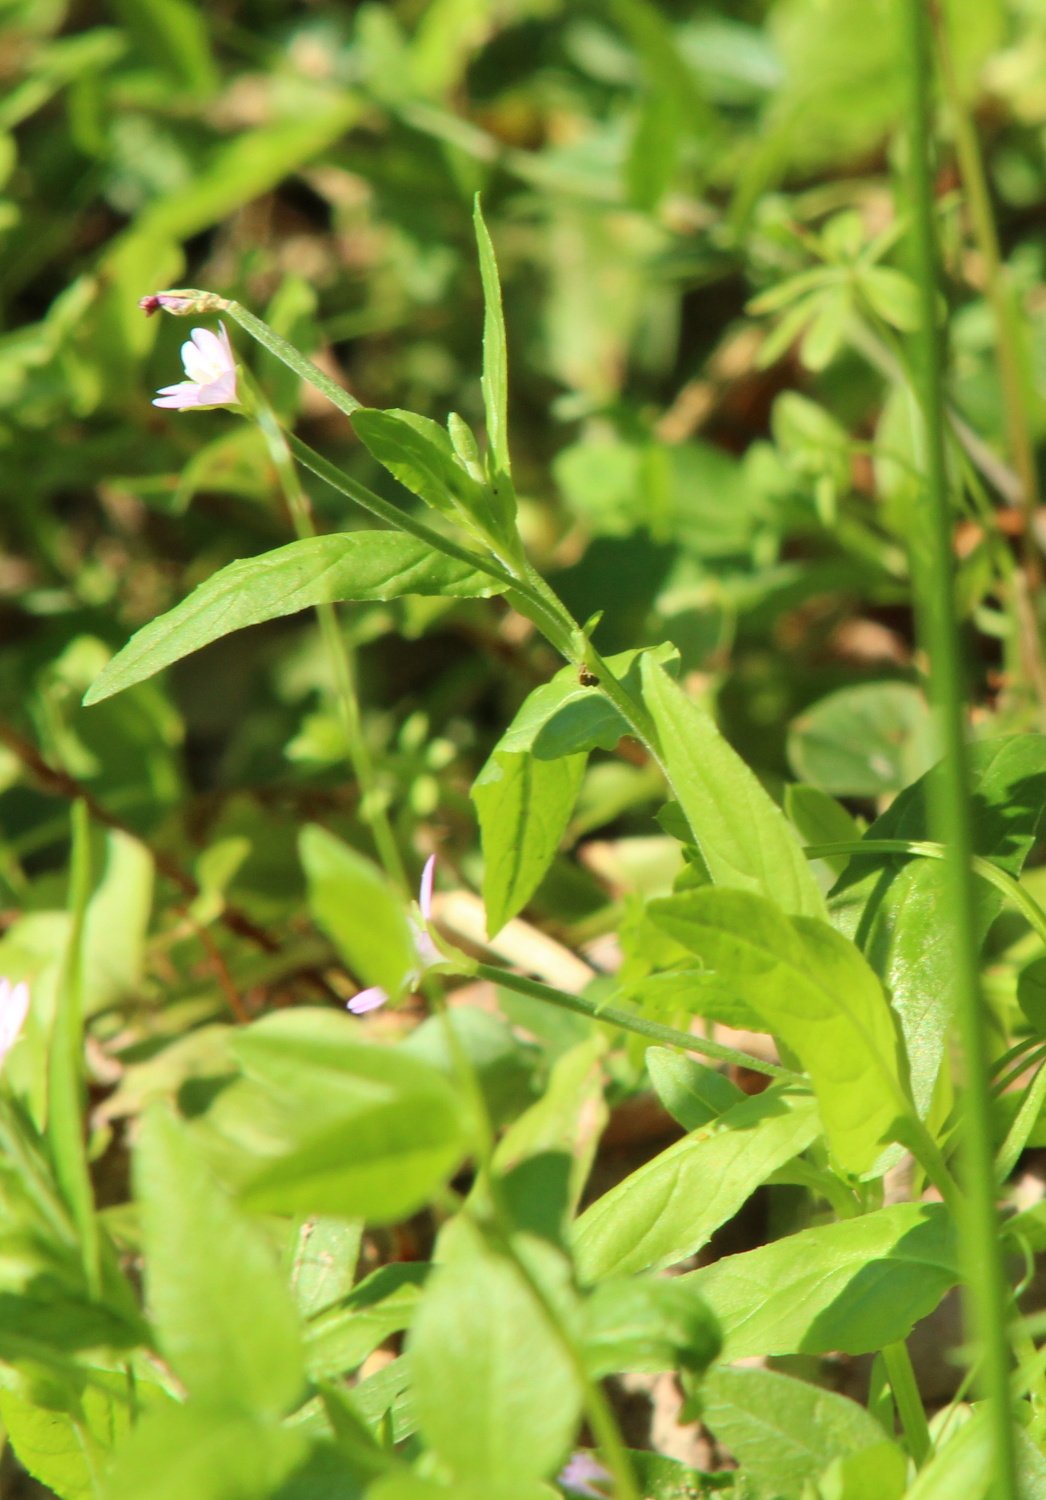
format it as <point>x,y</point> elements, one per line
<point>14,1007</point>
<point>581,1474</point>
<point>203,356</point>
<point>428,875</point>
<point>178,397</point>
<point>210,365</point>
<point>222,391</point>
<point>368,1000</point>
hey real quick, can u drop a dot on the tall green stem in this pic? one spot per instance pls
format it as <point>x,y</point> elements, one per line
<point>597,1408</point>
<point>632,1021</point>
<point>1012,372</point>
<point>986,1295</point>
<point>910,1409</point>
<point>372,804</point>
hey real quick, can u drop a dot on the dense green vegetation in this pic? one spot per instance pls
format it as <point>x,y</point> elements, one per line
<point>619,426</point>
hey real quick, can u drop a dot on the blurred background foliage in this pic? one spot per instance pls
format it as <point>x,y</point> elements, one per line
<point>693,210</point>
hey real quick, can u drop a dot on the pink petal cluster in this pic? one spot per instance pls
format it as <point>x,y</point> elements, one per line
<point>14,1007</point>
<point>211,367</point>
<point>425,948</point>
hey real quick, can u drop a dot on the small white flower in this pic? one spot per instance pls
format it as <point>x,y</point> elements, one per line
<point>425,948</point>
<point>14,1007</point>
<point>211,367</point>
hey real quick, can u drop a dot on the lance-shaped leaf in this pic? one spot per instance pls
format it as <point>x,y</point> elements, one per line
<point>856,1285</point>
<point>745,839</point>
<point>890,903</point>
<point>524,805</point>
<point>668,1208</point>
<point>358,565</point>
<point>814,990</point>
<point>564,717</point>
<point>421,456</point>
<point>495,350</point>
<point>784,1432</point>
<point>495,1390</point>
<point>222,1312</point>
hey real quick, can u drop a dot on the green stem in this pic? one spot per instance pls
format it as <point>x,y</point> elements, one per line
<point>629,1021</point>
<point>292,358</point>
<point>527,590</point>
<point>936,609</point>
<point>1012,374</point>
<point>597,1408</point>
<point>372,805</point>
<point>539,611</point>
<point>1000,292</point>
<point>910,1409</point>
<point>926,849</point>
<point>1021,1129</point>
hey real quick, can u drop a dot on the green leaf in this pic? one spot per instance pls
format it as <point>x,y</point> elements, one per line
<point>743,836</point>
<point>243,168</point>
<point>568,1119</point>
<point>495,1390</point>
<point>360,911</point>
<point>892,295</point>
<point>815,991</point>
<point>367,1132</point>
<point>357,565</point>
<point>853,1286</point>
<point>820,819</point>
<point>495,349</point>
<point>863,741</point>
<point>669,1208</point>
<point>66,1081</point>
<point>891,904</point>
<point>324,1263</point>
<point>209,1452</point>
<point>965,1464</point>
<point>66,1450</point>
<point>1031,994</point>
<point>421,456</point>
<point>643,1324</point>
<point>339,1340</point>
<point>174,35</point>
<point>116,923</point>
<point>222,1312</point>
<point>784,1432</point>
<point>524,806</point>
<point>562,717</point>
<point>503,1064</point>
<point>408,1486</point>
<point>693,1093</point>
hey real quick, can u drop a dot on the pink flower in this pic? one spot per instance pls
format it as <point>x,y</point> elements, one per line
<point>581,1475</point>
<point>211,367</point>
<point>14,1007</point>
<point>425,948</point>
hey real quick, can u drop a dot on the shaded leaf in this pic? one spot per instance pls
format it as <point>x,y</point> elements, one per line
<point>784,1432</point>
<point>890,904</point>
<point>853,1286</point>
<point>524,806</point>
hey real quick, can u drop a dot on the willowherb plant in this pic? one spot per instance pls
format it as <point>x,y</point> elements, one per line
<point>245,1358</point>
